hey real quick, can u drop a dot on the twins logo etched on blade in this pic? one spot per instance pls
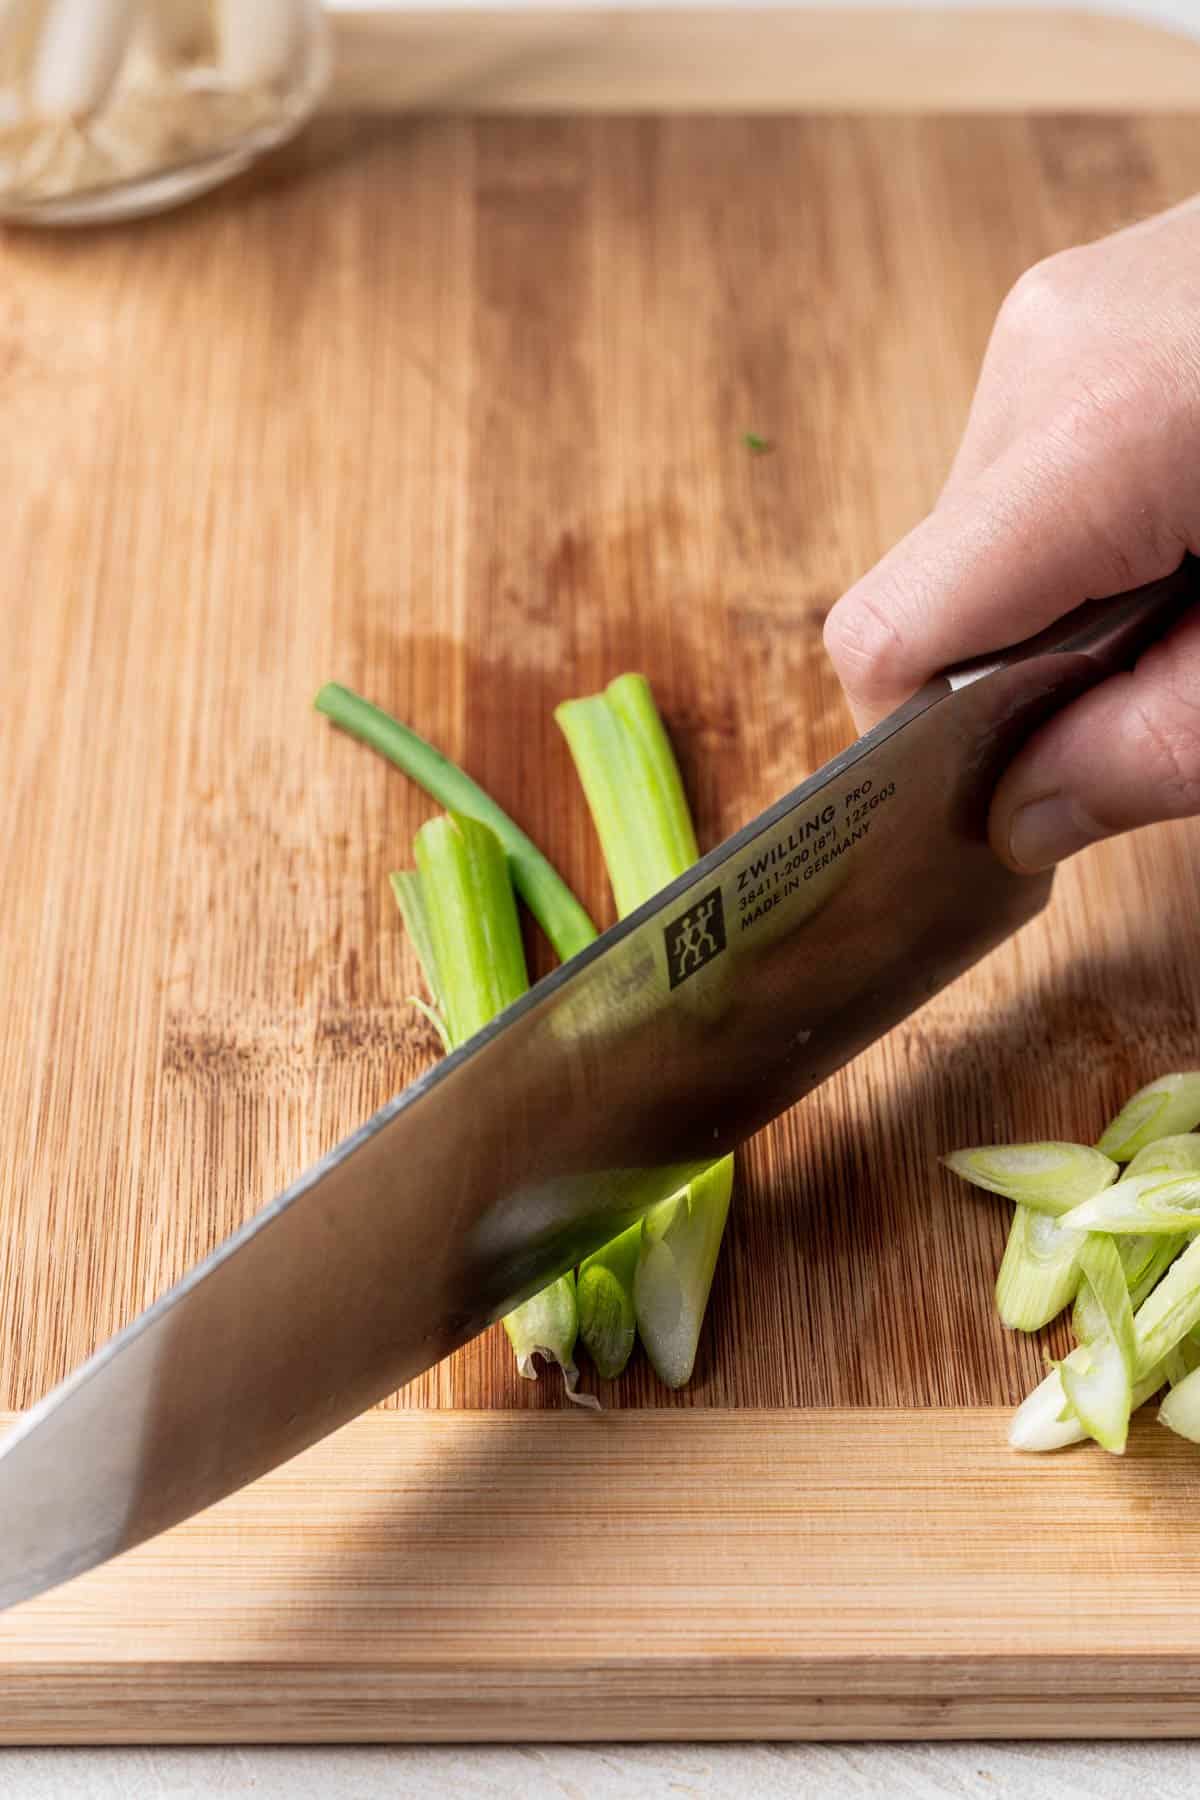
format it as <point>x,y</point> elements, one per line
<point>695,937</point>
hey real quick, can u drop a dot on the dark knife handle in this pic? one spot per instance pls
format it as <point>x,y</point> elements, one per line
<point>1112,632</point>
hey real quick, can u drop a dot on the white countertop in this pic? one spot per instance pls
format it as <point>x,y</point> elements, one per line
<point>616,1772</point>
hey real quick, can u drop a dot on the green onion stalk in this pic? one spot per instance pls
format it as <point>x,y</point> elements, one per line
<point>656,1277</point>
<point>461,914</point>
<point>635,795</point>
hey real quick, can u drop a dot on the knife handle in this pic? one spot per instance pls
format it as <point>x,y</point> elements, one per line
<point>1112,632</point>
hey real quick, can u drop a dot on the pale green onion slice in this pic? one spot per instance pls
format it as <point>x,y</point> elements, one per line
<point>546,1326</point>
<point>1172,1311</point>
<point>681,1241</point>
<point>1178,1155</point>
<point>1051,1177</point>
<point>1044,1420</point>
<point>1180,1410</point>
<point>1161,1109</point>
<point>1040,1271</point>
<point>1142,1204</point>
<point>607,1319</point>
<point>1098,1378</point>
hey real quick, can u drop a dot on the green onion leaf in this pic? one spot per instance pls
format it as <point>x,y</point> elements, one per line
<point>1145,1204</point>
<point>1161,1109</point>
<point>1040,1271</point>
<point>544,891</point>
<point>607,1320</point>
<point>546,1326</point>
<point>1051,1177</point>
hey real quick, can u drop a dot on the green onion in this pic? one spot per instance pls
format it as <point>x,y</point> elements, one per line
<point>1044,1420</point>
<point>1145,1204</point>
<point>1180,1410</point>
<point>547,1326</point>
<point>1040,1271</point>
<point>607,1320</point>
<point>1098,1378</point>
<point>635,795</point>
<point>1171,1311</point>
<point>633,787</point>
<point>1179,1362</point>
<point>681,1241</point>
<point>1161,1109</point>
<point>461,914</point>
<point>1051,1177</point>
<point>545,893</point>
<point>760,445</point>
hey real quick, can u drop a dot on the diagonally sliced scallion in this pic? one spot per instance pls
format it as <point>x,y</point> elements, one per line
<point>1051,1177</point>
<point>1044,1420</point>
<point>543,890</point>
<point>635,795</point>
<point>1172,1311</point>
<point>1040,1271</point>
<point>607,1320</point>
<point>1142,1204</point>
<point>547,1326</point>
<point>1160,1109</point>
<point>1098,1378</point>
<point>1180,1410</point>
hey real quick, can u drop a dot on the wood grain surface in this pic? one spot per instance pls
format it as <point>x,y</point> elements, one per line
<point>458,419</point>
<point>454,411</point>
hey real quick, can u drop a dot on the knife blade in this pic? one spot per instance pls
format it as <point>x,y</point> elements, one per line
<point>680,1032</point>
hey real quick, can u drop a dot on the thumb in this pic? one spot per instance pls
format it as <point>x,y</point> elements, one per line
<point>1125,754</point>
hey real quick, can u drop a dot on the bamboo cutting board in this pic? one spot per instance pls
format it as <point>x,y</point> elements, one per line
<point>455,412</point>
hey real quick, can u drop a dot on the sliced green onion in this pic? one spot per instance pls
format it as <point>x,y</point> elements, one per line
<point>1098,1378</point>
<point>607,1320</point>
<point>544,891</point>
<point>1144,1204</point>
<point>1147,1260</point>
<point>1040,1271</point>
<point>546,1326</point>
<point>1168,1156</point>
<point>681,1241</point>
<point>1179,1362</point>
<point>1044,1420</point>
<point>635,795</point>
<point>1172,1311</point>
<point>1160,1109</point>
<point>1180,1410</point>
<point>633,786</point>
<point>1051,1177</point>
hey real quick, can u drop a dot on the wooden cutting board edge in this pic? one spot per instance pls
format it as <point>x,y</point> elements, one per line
<point>774,1574</point>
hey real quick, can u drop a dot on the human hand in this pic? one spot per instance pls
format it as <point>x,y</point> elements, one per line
<point>1078,477</point>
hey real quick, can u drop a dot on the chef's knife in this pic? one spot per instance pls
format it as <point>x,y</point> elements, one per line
<point>706,1013</point>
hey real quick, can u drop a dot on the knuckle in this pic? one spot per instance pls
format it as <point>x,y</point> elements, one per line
<point>862,642</point>
<point>1165,729</point>
<point>1047,292</point>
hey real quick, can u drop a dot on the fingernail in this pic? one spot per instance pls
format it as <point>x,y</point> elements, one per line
<point>1045,831</point>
